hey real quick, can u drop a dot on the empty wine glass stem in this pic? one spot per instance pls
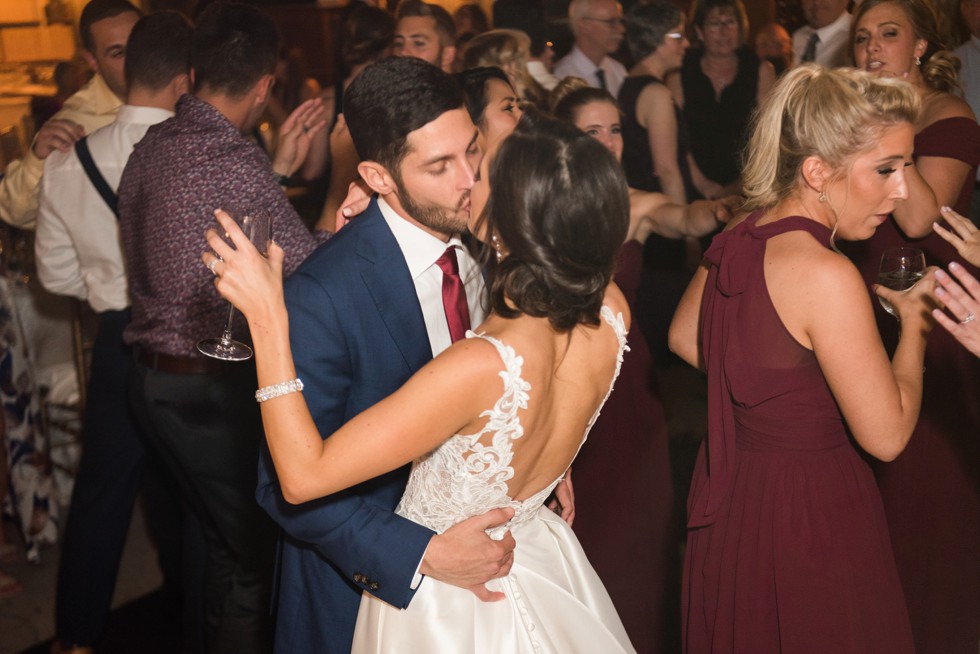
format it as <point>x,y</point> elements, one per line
<point>226,336</point>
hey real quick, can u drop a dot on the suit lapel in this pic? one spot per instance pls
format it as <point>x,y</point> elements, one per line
<point>389,283</point>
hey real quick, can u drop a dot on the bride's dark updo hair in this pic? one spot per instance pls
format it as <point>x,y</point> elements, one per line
<point>559,206</point>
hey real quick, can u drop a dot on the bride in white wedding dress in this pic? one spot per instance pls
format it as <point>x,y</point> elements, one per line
<point>495,420</point>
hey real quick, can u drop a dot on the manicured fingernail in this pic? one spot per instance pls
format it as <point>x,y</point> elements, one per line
<point>941,275</point>
<point>941,292</point>
<point>346,211</point>
<point>955,266</point>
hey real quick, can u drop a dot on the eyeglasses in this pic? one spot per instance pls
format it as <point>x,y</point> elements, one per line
<point>676,36</point>
<point>611,23</point>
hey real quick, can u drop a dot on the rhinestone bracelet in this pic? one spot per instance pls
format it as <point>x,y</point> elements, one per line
<point>282,388</point>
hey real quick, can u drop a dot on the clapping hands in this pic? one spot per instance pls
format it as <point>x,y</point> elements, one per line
<point>295,136</point>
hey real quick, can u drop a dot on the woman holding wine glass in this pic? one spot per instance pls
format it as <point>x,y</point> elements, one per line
<point>257,227</point>
<point>934,484</point>
<point>787,541</point>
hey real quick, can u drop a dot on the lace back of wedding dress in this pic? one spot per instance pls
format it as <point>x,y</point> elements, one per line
<point>466,476</point>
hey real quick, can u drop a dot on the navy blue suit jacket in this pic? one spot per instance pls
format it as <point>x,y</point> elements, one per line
<point>357,335</point>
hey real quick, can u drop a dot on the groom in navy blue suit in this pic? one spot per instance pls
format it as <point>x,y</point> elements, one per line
<point>365,313</point>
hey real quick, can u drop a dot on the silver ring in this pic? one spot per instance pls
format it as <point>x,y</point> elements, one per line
<point>969,318</point>
<point>212,264</point>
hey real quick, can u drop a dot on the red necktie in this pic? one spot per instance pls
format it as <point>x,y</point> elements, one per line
<point>453,295</point>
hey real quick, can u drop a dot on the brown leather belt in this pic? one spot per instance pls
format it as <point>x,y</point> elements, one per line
<point>201,365</point>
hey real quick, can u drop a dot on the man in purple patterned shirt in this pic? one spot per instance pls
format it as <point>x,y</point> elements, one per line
<point>200,410</point>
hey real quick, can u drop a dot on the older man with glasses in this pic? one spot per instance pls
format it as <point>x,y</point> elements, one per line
<point>598,29</point>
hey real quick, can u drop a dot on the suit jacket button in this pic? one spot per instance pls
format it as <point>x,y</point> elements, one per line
<point>374,585</point>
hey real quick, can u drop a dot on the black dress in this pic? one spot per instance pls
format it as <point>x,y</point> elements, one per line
<point>664,277</point>
<point>719,128</point>
<point>637,159</point>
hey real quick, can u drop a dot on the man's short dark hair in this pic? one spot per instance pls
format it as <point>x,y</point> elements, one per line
<point>391,99</point>
<point>158,50</point>
<point>445,25</point>
<point>233,47</point>
<point>97,10</point>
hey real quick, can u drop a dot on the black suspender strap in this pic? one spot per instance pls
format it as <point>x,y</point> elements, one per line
<point>94,176</point>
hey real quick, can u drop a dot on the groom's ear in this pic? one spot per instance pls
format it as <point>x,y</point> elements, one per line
<point>377,177</point>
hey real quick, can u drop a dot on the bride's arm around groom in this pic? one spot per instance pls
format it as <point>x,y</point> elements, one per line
<point>358,331</point>
<point>337,546</point>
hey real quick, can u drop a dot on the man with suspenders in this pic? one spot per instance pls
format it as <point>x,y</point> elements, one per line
<point>79,254</point>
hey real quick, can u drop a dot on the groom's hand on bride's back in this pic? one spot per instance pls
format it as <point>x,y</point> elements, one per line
<point>465,556</point>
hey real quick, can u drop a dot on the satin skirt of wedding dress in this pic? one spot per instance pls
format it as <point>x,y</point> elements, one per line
<point>554,603</point>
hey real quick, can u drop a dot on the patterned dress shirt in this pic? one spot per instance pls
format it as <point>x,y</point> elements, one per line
<point>182,170</point>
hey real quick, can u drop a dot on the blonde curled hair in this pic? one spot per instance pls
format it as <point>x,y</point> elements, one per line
<point>832,114</point>
<point>939,67</point>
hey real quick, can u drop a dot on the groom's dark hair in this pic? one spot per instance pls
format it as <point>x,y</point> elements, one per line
<point>391,99</point>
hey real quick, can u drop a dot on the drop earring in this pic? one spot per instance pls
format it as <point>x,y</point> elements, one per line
<point>823,196</point>
<point>495,242</point>
<point>918,62</point>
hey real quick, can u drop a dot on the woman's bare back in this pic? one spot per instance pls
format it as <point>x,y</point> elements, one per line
<point>536,418</point>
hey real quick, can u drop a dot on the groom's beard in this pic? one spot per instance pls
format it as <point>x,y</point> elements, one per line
<point>437,218</point>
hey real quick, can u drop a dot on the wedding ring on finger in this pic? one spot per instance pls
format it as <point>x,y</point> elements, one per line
<point>969,318</point>
<point>212,264</point>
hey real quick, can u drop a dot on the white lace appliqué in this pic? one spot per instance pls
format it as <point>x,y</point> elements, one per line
<point>464,477</point>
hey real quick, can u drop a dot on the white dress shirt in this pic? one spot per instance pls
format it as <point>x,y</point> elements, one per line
<point>421,250</point>
<point>969,54</point>
<point>542,75</point>
<point>832,48</point>
<point>77,244</point>
<point>576,64</point>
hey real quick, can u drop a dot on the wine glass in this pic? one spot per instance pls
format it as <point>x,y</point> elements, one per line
<point>257,228</point>
<point>900,269</point>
